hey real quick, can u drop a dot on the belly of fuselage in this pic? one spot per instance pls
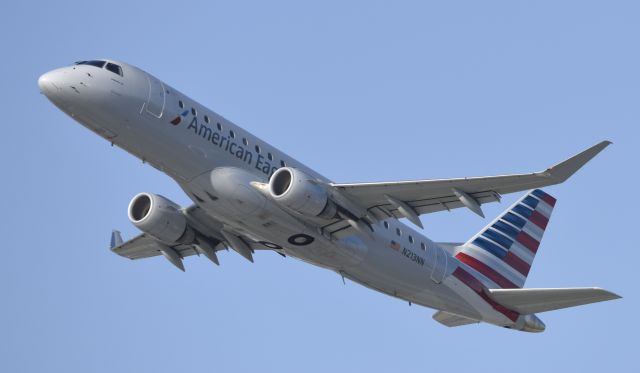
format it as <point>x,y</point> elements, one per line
<point>390,271</point>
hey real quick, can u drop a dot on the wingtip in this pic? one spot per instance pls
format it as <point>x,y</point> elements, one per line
<point>613,295</point>
<point>563,170</point>
<point>609,294</point>
<point>597,148</point>
<point>116,239</point>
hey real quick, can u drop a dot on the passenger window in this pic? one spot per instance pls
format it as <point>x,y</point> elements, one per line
<point>410,238</point>
<point>245,141</point>
<point>206,119</point>
<point>257,149</point>
<point>386,225</point>
<point>194,112</point>
<point>180,104</point>
<point>232,134</point>
<point>283,164</point>
<point>219,126</point>
<point>398,232</point>
<point>423,246</point>
<point>114,68</point>
<point>269,156</point>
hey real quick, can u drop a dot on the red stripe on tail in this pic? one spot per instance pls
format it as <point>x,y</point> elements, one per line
<point>486,270</point>
<point>539,219</point>
<point>475,285</point>
<point>548,199</point>
<point>518,264</point>
<point>528,241</point>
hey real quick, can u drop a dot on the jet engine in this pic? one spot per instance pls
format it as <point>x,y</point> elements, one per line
<point>160,218</point>
<point>301,193</point>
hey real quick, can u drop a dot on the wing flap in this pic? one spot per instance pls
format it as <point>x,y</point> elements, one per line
<point>528,301</point>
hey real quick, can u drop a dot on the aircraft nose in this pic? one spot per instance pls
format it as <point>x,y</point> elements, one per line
<point>49,83</point>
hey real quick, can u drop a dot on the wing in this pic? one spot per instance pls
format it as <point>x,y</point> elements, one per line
<point>409,199</point>
<point>209,241</point>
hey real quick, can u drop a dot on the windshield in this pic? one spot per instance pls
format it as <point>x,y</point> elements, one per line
<point>114,68</point>
<point>95,63</point>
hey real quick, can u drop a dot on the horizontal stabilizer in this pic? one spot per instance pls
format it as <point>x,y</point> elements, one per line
<point>528,301</point>
<point>451,320</point>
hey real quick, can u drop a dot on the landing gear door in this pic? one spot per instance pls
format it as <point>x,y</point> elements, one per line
<point>156,99</point>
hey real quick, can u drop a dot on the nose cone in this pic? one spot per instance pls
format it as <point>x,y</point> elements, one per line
<point>49,84</point>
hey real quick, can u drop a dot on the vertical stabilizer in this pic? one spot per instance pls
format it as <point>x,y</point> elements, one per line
<point>502,252</point>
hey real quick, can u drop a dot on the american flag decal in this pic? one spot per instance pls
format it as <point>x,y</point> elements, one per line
<point>178,118</point>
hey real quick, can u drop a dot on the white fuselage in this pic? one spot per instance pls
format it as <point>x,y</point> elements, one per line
<point>221,167</point>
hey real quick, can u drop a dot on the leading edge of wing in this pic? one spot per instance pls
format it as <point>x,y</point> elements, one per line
<point>555,174</point>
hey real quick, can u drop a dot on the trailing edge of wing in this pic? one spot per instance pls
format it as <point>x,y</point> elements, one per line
<point>528,301</point>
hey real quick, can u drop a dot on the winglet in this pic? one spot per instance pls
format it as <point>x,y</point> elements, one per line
<point>116,239</point>
<point>563,170</point>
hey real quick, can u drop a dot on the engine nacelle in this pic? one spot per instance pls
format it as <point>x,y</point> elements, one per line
<point>299,192</point>
<point>159,217</point>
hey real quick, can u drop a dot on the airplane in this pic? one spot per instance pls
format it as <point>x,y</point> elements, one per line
<point>250,196</point>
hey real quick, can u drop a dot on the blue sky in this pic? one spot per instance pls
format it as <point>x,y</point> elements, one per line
<point>361,91</point>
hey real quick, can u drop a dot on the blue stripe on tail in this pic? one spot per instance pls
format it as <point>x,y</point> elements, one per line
<point>498,238</point>
<point>506,229</point>
<point>490,247</point>
<point>514,219</point>
<point>523,211</point>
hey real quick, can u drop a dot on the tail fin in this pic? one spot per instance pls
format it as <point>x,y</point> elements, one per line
<point>503,251</point>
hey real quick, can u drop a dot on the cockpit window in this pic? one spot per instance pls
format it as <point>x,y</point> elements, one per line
<point>95,63</point>
<point>114,68</point>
